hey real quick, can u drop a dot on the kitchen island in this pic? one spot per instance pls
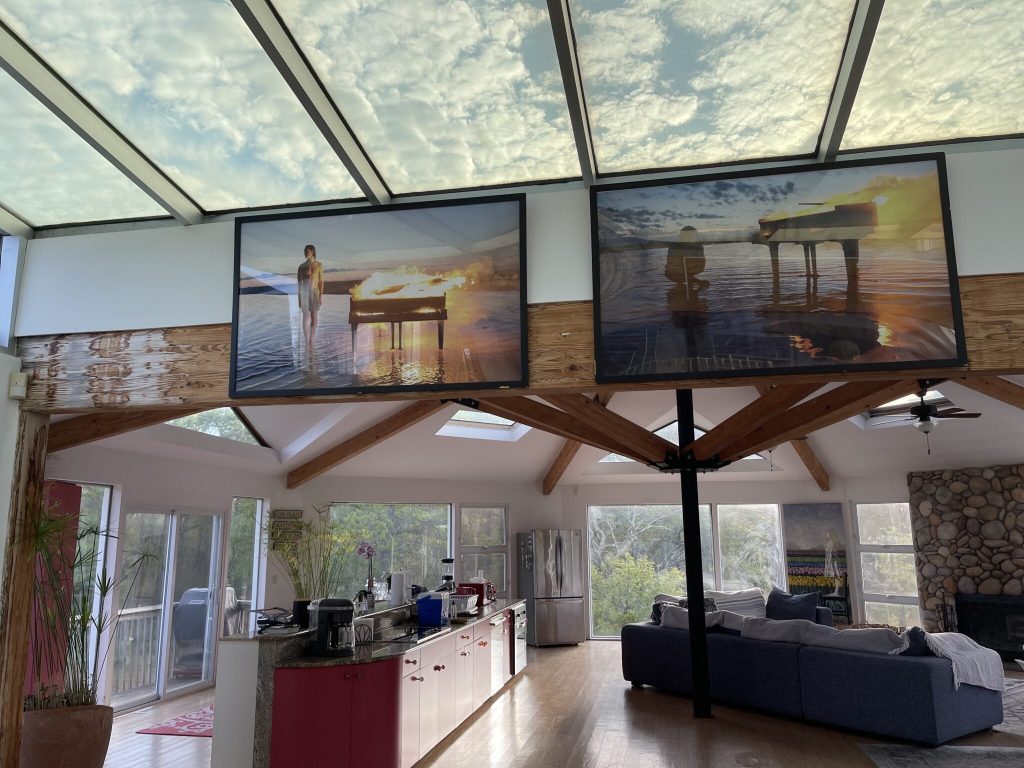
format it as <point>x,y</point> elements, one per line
<point>386,706</point>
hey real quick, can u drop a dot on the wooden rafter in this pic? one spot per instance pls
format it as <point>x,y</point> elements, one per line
<point>363,441</point>
<point>98,426</point>
<point>811,461</point>
<point>615,426</point>
<point>828,408</point>
<point>565,456</point>
<point>747,419</point>
<point>996,387</point>
<point>548,419</point>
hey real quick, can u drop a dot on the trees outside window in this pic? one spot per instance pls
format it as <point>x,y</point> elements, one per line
<point>637,552</point>
<point>885,551</point>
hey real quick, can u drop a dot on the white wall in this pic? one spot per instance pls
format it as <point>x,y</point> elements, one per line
<point>8,445</point>
<point>176,275</point>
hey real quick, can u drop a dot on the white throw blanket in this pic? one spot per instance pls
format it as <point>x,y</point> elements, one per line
<point>972,664</point>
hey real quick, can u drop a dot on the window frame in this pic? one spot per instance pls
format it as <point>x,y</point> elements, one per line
<point>459,549</point>
<point>863,596</point>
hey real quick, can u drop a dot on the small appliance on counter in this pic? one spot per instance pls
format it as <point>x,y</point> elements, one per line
<point>433,609</point>
<point>447,575</point>
<point>331,619</point>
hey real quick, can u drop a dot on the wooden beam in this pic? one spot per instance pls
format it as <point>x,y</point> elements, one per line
<point>98,426</point>
<point>27,499</point>
<point>561,463</point>
<point>548,419</point>
<point>565,456</point>
<point>188,367</point>
<point>995,387</point>
<point>829,408</point>
<point>363,441</point>
<point>770,404</point>
<point>617,427</point>
<point>810,459</point>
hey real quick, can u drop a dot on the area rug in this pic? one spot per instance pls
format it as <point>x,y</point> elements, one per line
<point>901,756</point>
<point>1013,708</point>
<point>198,722</point>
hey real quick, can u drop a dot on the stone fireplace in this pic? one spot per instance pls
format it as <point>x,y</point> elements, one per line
<point>968,535</point>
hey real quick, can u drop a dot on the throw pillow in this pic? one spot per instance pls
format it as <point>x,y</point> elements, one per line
<point>918,646</point>
<point>782,605</point>
<point>658,608</point>
<point>746,602</point>
<point>709,604</point>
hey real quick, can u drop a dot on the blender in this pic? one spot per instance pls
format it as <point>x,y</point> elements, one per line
<point>447,575</point>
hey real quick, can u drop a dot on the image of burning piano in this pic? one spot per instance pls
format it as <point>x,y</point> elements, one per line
<point>400,296</point>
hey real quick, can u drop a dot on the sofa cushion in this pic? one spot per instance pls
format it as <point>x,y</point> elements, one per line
<point>918,644</point>
<point>747,602</point>
<point>782,605</point>
<point>870,640</point>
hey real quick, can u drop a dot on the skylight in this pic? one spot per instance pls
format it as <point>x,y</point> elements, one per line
<point>51,175</point>
<point>897,412</point>
<point>671,433</point>
<point>189,85</point>
<point>443,94</point>
<point>700,81</point>
<point>479,417</point>
<point>219,422</point>
<point>940,70</point>
<point>476,425</point>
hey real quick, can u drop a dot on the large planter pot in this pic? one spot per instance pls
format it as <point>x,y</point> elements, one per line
<point>71,737</point>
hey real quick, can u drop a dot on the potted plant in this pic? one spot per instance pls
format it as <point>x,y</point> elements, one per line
<point>62,722</point>
<point>310,554</point>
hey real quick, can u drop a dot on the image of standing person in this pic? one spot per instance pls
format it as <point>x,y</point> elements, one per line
<point>310,277</point>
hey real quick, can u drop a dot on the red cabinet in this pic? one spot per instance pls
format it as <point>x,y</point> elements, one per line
<point>336,716</point>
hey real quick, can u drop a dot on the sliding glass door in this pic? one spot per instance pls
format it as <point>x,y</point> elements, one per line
<point>163,642</point>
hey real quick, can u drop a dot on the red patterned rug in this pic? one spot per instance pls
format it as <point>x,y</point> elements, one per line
<point>198,722</point>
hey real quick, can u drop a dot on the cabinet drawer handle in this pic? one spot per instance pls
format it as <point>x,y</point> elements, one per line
<point>464,637</point>
<point>439,667</point>
<point>464,653</point>
<point>410,661</point>
<point>417,679</point>
<point>482,643</point>
<point>348,675</point>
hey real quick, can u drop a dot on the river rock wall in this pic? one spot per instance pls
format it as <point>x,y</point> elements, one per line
<point>968,534</point>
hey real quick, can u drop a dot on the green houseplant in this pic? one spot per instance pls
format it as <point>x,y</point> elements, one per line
<point>62,722</point>
<point>309,552</point>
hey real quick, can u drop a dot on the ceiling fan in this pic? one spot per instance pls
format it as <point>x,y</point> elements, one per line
<point>927,414</point>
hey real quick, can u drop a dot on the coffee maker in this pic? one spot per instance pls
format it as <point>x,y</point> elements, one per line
<point>331,619</point>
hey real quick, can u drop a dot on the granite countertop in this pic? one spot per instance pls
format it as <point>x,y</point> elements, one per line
<point>370,652</point>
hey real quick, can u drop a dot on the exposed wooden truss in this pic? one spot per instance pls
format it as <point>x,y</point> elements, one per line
<point>811,461</point>
<point>996,387</point>
<point>363,441</point>
<point>98,426</point>
<point>566,454</point>
<point>826,409</point>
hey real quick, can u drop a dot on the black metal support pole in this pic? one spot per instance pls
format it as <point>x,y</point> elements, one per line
<point>694,565</point>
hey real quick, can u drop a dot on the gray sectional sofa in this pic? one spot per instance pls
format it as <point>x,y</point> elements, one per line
<point>906,697</point>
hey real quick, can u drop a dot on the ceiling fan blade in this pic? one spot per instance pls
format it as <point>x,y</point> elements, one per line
<point>958,415</point>
<point>953,409</point>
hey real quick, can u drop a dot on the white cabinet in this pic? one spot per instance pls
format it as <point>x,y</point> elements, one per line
<point>410,709</point>
<point>481,664</point>
<point>428,735</point>
<point>464,683</point>
<point>446,672</point>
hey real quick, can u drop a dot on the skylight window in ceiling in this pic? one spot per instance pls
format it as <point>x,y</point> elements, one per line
<point>941,70</point>
<point>443,94</point>
<point>690,82</point>
<point>477,425</point>
<point>479,417</point>
<point>51,176</point>
<point>671,433</point>
<point>219,422</point>
<point>188,84</point>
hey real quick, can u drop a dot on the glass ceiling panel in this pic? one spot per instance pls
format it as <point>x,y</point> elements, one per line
<point>690,82</point>
<point>941,70</point>
<point>441,93</point>
<point>51,176</point>
<point>188,84</point>
<point>219,422</point>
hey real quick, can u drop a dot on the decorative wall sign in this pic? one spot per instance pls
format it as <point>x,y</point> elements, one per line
<point>418,296</point>
<point>839,267</point>
<point>286,514</point>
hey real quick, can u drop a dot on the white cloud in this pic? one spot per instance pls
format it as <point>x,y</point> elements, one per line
<point>941,70</point>
<point>443,94</point>
<point>743,77</point>
<point>190,86</point>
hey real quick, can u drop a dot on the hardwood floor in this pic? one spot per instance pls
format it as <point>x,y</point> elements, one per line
<point>129,749</point>
<point>571,709</point>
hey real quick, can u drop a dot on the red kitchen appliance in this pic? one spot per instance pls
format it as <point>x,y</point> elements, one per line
<point>480,589</point>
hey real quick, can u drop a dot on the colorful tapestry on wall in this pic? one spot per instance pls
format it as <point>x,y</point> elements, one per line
<point>816,553</point>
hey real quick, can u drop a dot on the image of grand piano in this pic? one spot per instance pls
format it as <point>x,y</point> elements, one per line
<point>395,312</point>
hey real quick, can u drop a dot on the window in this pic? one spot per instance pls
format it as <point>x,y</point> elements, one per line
<point>483,545</point>
<point>636,552</point>
<point>408,537</point>
<point>478,425</point>
<point>243,563</point>
<point>885,550</point>
<point>219,422</point>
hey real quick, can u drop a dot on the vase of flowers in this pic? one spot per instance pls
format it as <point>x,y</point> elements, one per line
<point>367,550</point>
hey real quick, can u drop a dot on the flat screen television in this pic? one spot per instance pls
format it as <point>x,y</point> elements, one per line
<point>416,296</point>
<point>847,266</point>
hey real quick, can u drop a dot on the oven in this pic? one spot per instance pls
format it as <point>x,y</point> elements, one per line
<point>518,640</point>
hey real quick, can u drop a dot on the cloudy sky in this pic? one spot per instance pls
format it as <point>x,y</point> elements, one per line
<point>456,93</point>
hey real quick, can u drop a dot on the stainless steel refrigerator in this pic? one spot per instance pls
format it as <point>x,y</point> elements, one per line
<point>551,581</point>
